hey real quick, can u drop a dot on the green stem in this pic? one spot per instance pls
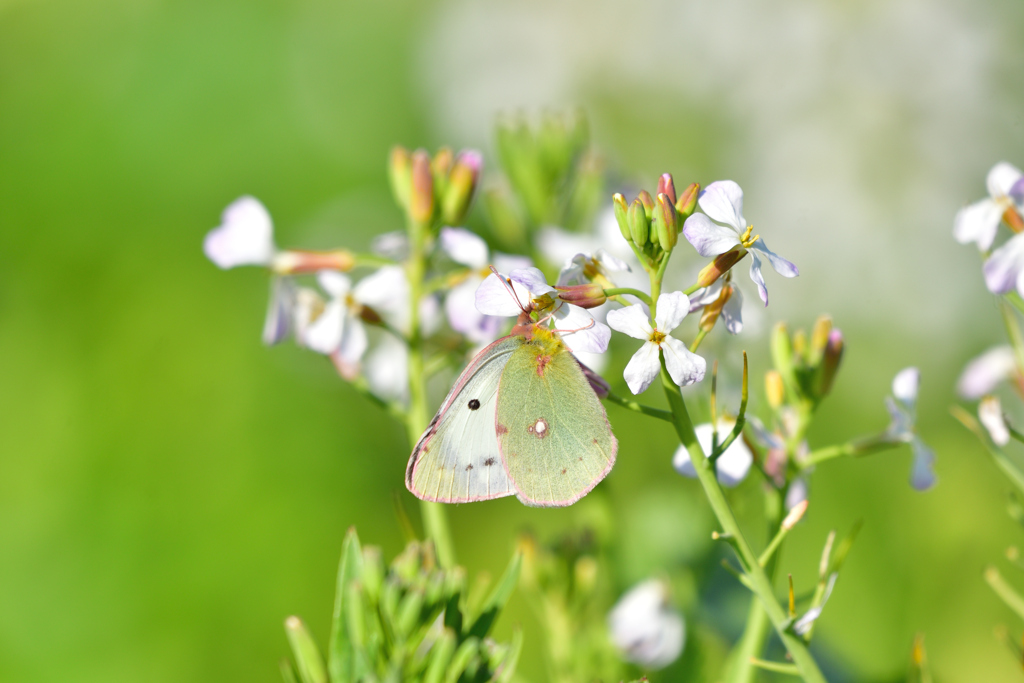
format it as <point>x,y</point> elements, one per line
<point>1010,596</point>
<point>630,404</point>
<point>777,667</point>
<point>435,519</point>
<point>760,584</point>
<point>614,291</point>
<point>1013,332</point>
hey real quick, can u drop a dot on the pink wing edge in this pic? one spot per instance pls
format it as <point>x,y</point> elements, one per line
<point>428,433</point>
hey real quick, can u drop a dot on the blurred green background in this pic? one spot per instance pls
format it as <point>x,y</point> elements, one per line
<point>170,489</point>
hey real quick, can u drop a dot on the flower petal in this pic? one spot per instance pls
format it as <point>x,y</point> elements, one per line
<point>672,308</point>
<point>707,237</point>
<point>278,322</point>
<point>684,367</point>
<point>990,414</point>
<point>631,320</point>
<point>905,385</point>
<point>732,466</point>
<point>386,289</point>
<point>392,245</point>
<point>642,368</point>
<point>797,493</point>
<point>532,279</point>
<point>757,277</point>
<point>1004,266</point>
<point>353,341</point>
<point>559,245</point>
<point>732,312</point>
<point>334,283</point>
<point>387,369</point>
<point>645,628</point>
<point>901,427</point>
<point>978,222</point>
<point>324,334</point>
<point>505,263</point>
<point>1017,193</point>
<point>460,308</point>
<point>464,247</point>
<point>922,475</point>
<point>583,332</point>
<point>1001,179</point>
<point>722,200</point>
<point>705,295</point>
<point>244,237</point>
<point>983,373</point>
<point>493,297</point>
<point>779,264</point>
<point>572,271</point>
<point>611,263</point>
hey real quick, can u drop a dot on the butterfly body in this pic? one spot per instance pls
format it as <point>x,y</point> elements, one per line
<point>522,419</point>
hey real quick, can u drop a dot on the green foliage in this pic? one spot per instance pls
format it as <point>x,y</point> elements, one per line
<point>408,621</point>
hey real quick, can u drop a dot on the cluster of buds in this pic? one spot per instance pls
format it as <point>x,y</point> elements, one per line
<point>805,368</point>
<point>434,190</point>
<point>652,224</point>
<point>409,621</point>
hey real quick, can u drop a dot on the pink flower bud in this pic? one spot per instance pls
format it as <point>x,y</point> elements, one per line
<point>667,187</point>
<point>590,295</point>
<point>421,195</point>
<point>688,201</point>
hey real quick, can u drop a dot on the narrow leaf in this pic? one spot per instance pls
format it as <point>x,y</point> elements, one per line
<point>304,649</point>
<point>340,656</point>
<point>498,598</point>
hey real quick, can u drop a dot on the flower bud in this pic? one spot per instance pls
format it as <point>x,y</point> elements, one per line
<point>667,187</point>
<point>665,226</point>
<point>720,266</point>
<point>462,183</point>
<point>298,261</point>
<point>400,175</point>
<point>795,515</point>
<point>648,202</point>
<point>1013,219</point>
<point>819,340</point>
<point>687,202</point>
<point>800,346</point>
<point>713,310</point>
<point>830,363</point>
<point>639,223</point>
<point>590,295</point>
<point>307,656</point>
<point>421,195</point>
<point>782,354</point>
<point>441,168</point>
<point>774,389</point>
<point>621,215</point>
<point>990,414</point>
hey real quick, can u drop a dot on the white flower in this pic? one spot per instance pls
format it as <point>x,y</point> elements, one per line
<point>732,311</point>
<point>983,373</point>
<point>684,367</point>
<point>723,227</point>
<point>339,327</point>
<point>646,628</point>
<point>528,285</point>
<point>980,221</point>
<point>732,466</point>
<point>387,369</point>
<point>467,248</point>
<point>583,268</point>
<point>1004,268</point>
<point>902,406</point>
<point>244,237</point>
<point>990,414</point>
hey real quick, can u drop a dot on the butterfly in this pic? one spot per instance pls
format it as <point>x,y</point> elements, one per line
<point>522,419</point>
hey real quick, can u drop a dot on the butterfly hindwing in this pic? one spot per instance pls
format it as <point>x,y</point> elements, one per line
<point>457,459</point>
<point>553,432</point>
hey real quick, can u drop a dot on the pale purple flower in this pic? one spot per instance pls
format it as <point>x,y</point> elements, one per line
<point>902,406</point>
<point>722,227</point>
<point>280,311</point>
<point>581,331</point>
<point>469,249</point>
<point>732,312</point>
<point>979,221</point>
<point>1004,268</point>
<point>990,414</point>
<point>645,628</point>
<point>245,236</point>
<point>683,366</point>
<point>732,466</point>
<point>984,373</point>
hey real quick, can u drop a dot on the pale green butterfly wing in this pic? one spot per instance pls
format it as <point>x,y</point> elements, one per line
<point>553,433</point>
<point>457,459</point>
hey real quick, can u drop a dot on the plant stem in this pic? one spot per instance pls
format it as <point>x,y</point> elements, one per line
<point>630,404</point>
<point>614,291</point>
<point>435,518</point>
<point>760,584</point>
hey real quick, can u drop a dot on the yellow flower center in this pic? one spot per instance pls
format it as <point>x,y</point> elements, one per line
<point>657,337</point>
<point>746,240</point>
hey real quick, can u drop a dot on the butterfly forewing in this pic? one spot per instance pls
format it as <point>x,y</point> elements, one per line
<point>553,432</point>
<point>457,458</point>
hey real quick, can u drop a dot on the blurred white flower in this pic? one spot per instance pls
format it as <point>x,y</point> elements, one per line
<point>1004,269</point>
<point>683,366</point>
<point>990,414</point>
<point>339,328</point>
<point>722,227</point>
<point>244,237</point>
<point>979,221</point>
<point>528,284</point>
<point>805,622</point>
<point>984,373</point>
<point>798,492</point>
<point>583,268</point>
<point>469,249</point>
<point>646,628</point>
<point>280,310</point>
<point>732,466</point>
<point>387,369</point>
<point>902,406</point>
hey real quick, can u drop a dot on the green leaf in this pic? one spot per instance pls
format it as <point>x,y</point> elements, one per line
<point>460,661</point>
<point>288,672</point>
<point>498,598</point>
<point>440,656</point>
<point>507,668</point>
<point>340,656</point>
<point>307,655</point>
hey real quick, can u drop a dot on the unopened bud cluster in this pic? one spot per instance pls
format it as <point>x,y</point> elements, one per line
<point>434,189</point>
<point>652,224</point>
<point>805,367</point>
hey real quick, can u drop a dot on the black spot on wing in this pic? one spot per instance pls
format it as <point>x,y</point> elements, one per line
<point>474,403</point>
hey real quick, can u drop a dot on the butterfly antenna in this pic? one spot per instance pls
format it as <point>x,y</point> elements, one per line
<point>511,290</point>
